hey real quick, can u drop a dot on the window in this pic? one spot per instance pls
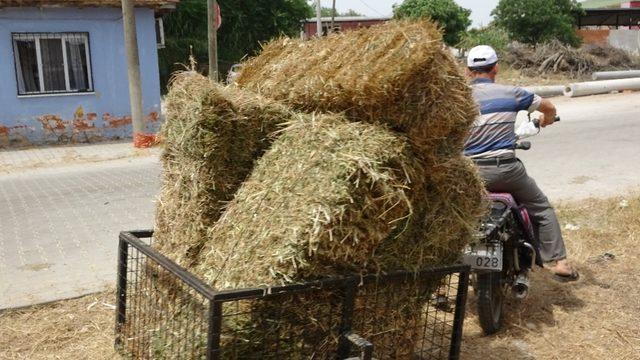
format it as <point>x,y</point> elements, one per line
<point>325,28</point>
<point>160,33</point>
<point>52,63</point>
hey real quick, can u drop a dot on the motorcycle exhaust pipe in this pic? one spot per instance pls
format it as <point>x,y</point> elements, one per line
<point>521,286</point>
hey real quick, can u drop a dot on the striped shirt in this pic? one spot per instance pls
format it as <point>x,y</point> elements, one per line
<point>493,132</point>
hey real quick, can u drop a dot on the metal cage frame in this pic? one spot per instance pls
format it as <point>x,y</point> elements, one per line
<point>349,341</point>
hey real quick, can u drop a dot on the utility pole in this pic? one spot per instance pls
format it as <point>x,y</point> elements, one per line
<point>333,15</point>
<point>133,66</point>
<point>212,21</point>
<point>319,18</point>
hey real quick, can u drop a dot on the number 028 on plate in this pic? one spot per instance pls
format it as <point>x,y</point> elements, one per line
<point>484,256</point>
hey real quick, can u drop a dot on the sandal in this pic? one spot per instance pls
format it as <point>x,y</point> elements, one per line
<point>567,277</point>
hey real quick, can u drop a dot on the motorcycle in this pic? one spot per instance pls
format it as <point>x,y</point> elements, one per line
<point>505,250</point>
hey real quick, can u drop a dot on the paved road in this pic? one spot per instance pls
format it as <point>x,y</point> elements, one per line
<point>59,225</point>
<point>594,151</point>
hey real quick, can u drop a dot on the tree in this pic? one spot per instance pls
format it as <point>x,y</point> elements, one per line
<point>494,36</point>
<point>453,18</point>
<point>539,21</point>
<point>245,25</point>
<point>327,11</point>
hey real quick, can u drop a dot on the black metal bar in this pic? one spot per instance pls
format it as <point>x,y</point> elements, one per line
<point>458,317</point>
<point>214,330</point>
<point>171,266</point>
<point>344,345</point>
<point>121,306</point>
<point>248,293</point>
<point>141,234</point>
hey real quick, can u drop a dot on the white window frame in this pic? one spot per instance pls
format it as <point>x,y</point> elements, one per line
<point>36,37</point>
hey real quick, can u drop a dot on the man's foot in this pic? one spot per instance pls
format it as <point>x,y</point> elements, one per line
<point>563,272</point>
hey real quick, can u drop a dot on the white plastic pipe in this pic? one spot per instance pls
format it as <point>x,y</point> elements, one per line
<point>601,87</point>
<point>612,75</point>
<point>547,91</point>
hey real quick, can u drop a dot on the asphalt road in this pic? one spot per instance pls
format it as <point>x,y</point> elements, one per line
<point>59,225</point>
<point>594,151</point>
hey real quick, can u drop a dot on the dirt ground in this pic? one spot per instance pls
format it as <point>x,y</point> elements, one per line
<point>597,317</point>
<point>510,76</point>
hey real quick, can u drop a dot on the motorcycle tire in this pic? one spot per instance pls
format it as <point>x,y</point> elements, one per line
<point>491,301</point>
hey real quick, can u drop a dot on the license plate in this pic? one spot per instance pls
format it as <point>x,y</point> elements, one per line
<point>484,256</point>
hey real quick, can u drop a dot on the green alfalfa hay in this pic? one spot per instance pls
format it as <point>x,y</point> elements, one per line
<point>212,135</point>
<point>399,74</point>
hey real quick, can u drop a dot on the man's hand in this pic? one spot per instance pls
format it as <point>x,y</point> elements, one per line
<point>548,111</point>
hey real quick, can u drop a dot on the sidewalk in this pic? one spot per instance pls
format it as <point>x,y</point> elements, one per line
<point>12,160</point>
<point>62,209</point>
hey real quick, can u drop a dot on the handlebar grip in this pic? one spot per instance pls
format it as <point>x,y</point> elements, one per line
<point>523,145</point>
<point>536,122</point>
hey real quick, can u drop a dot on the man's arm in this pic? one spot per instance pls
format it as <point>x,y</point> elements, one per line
<point>548,111</point>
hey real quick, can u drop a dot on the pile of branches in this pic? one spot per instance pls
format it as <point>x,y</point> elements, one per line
<point>556,57</point>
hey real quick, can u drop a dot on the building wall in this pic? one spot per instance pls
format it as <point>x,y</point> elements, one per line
<point>626,39</point>
<point>104,114</point>
<point>594,36</point>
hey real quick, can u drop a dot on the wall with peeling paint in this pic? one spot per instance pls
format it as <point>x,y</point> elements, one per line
<point>102,115</point>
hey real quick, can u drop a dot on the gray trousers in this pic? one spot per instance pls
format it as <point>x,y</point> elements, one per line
<point>512,178</point>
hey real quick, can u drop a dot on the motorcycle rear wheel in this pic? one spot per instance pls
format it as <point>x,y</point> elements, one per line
<point>491,301</point>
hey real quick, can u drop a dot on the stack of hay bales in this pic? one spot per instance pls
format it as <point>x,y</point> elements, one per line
<point>375,183</point>
<point>212,136</point>
<point>398,74</point>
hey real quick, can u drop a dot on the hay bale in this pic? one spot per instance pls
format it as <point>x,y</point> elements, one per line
<point>212,136</point>
<point>398,74</point>
<point>333,197</point>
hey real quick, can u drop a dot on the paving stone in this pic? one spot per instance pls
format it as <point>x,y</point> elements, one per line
<point>59,226</point>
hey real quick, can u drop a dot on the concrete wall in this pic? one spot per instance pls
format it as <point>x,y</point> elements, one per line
<point>626,39</point>
<point>103,114</point>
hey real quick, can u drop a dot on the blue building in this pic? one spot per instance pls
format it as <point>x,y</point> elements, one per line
<point>63,70</point>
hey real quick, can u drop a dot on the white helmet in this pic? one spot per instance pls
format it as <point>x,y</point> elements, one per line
<point>482,55</point>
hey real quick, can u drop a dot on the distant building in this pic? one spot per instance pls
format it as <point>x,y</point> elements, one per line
<point>64,70</point>
<point>616,23</point>
<point>340,23</point>
<point>610,4</point>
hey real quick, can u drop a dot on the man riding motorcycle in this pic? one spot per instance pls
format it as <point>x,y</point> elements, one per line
<point>491,144</point>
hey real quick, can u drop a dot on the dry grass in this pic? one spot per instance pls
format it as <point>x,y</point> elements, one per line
<point>335,197</point>
<point>555,57</point>
<point>596,318</point>
<point>398,74</point>
<point>511,76</point>
<point>212,135</point>
<point>72,329</point>
<point>377,183</point>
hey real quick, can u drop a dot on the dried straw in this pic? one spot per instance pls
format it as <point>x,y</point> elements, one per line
<point>212,134</point>
<point>398,73</point>
<point>333,197</point>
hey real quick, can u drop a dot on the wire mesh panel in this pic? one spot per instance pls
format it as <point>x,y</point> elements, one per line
<point>164,312</point>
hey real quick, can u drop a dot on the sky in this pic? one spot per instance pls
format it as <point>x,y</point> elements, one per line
<point>480,9</point>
